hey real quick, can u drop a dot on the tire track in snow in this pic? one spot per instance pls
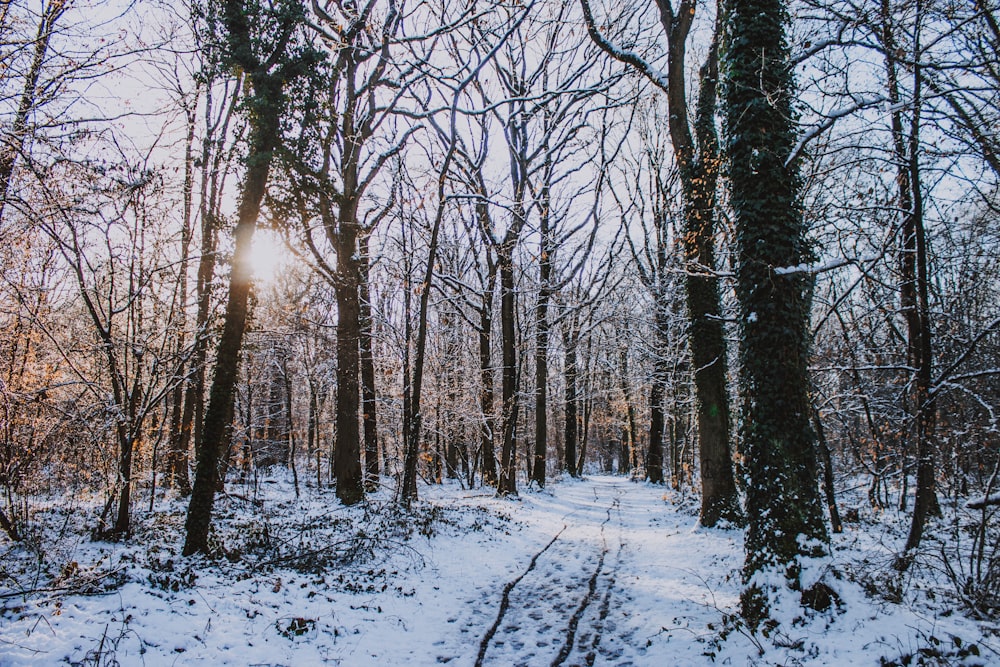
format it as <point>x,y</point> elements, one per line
<point>598,624</point>
<point>602,613</point>
<point>574,621</point>
<point>505,600</point>
<point>536,610</point>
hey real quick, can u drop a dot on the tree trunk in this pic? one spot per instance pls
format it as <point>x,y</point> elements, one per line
<point>828,491</point>
<point>411,444</point>
<point>290,426</point>
<point>571,426</point>
<point>487,429</point>
<point>312,427</point>
<point>542,357</point>
<point>367,360</point>
<point>913,269</point>
<point>698,166</point>
<point>221,395</point>
<point>122,526</point>
<point>630,430</point>
<point>707,335</point>
<point>584,408</point>
<point>507,484</point>
<point>347,455</point>
<point>449,425</point>
<point>178,445</point>
<point>785,520</point>
<point>654,452</point>
<point>265,130</point>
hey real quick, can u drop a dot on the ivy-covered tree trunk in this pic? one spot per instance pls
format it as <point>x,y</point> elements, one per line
<point>785,520</point>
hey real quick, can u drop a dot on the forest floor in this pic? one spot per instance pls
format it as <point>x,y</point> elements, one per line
<point>601,571</point>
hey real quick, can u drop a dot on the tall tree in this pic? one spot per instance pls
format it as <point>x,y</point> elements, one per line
<point>785,520</point>
<point>261,42</point>
<point>697,159</point>
<point>344,144</point>
<point>914,302</point>
<point>369,416</point>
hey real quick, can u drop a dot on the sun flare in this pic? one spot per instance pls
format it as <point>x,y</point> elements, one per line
<point>268,257</point>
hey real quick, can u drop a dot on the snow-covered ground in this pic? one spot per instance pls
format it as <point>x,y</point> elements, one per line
<point>602,571</point>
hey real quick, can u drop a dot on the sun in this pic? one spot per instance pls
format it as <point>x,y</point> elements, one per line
<point>268,257</point>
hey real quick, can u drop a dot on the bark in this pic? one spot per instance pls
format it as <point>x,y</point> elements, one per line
<point>449,425</point>
<point>828,491</point>
<point>785,521</point>
<point>487,397</point>
<point>507,483</point>
<point>630,432</point>
<point>367,361</point>
<point>585,409</point>
<point>290,422</point>
<point>438,444</point>
<point>312,427</point>
<point>411,451</point>
<point>488,425</point>
<point>126,449</point>
<point>654,453</point>
<point>570,405</point>
<point>347,454</point>
<point>542,353</point>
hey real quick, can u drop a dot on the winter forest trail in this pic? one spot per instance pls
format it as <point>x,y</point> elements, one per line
<point>541,610</point>
<point>574,599</point>
<point>595,571</point>
<point>598,571</point>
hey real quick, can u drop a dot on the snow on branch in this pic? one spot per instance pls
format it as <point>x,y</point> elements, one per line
<point>831,119</point>
<point>816,269</point>
<point>983,501</point>
<point>657,77</point>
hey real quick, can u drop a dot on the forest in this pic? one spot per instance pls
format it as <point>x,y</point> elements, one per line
<point>381,296</point>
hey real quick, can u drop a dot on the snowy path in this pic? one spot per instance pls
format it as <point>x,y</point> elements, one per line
<point>600,571</point>
<point>555,611</point>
